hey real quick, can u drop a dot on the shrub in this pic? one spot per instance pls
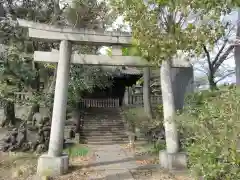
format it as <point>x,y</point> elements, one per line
<point>137,118</point>
<point>77,151</point>
<point>211,129</point>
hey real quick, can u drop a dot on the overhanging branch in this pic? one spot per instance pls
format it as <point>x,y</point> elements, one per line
<point>219,52</point>
<point>222,58</point>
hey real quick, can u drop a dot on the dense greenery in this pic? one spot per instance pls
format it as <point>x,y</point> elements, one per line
<point>210,127</point>
<point>162,28</point>
<point>17,65</point>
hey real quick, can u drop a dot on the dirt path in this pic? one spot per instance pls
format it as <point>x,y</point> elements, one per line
<point>109,162</point>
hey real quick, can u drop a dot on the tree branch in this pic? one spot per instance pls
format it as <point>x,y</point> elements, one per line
<point>208,57</point>
<point>219,52</point>
<point>225,76</point>
<point>222,58</point>
<point>201,70</point>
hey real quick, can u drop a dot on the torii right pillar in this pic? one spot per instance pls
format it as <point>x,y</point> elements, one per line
<point>183,83</point>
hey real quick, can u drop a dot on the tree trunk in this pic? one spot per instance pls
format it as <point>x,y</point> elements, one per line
<point>171,132</point>
<point>237,52</point>
<point>211,81</point>
<point>146,92</point>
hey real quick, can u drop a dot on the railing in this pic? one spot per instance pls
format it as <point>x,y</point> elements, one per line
<point>133,100</point>
<point>137,100</point>
<point>100,103</point>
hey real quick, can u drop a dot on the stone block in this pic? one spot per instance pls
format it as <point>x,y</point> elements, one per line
<point>171,161</point>
<point>52,166</point>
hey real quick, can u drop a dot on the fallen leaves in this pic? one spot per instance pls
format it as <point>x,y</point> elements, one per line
<point>143,162</point>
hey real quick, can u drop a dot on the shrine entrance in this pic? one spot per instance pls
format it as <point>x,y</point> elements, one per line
<point>55,160</point>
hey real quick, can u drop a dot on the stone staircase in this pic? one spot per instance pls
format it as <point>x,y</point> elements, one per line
<point>104,126</point>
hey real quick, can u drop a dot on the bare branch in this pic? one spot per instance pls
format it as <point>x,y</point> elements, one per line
<point>222,58</point>
<point>225,76</point>
<point>201,70</point>
<point>219,52</point>
<point>229,57</point>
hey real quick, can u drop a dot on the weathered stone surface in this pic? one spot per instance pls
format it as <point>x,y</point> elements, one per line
<point>171,161</point>
<point>52,166</point>
<point>38,30</point>
<point>60,100</point>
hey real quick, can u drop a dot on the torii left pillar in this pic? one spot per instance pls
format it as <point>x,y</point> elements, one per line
<point>55,162</point>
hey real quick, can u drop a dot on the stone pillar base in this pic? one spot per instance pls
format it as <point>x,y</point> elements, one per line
<point>52,166</point>
<point>172,161</point>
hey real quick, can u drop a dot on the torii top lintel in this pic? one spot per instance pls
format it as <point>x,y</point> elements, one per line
<point>84,36</point>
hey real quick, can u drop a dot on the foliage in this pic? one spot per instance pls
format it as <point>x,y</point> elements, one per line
<point>88,14</point>
<point>77,151</point>
<point>82,78</point>
<point>211,130</point>
<point>137,118</point>
<point>161,29</point>
<point>86,78</point>
<point>16,72</point>
<point>211,62</point>
<point>159,111</point>
<point>17,63</point>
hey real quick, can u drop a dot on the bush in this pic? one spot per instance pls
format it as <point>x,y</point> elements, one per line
<point>137,119</point>
<point>211,129</point>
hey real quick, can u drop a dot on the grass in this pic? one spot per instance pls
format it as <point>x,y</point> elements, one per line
<point>149,148</point>
<point>77,150</point>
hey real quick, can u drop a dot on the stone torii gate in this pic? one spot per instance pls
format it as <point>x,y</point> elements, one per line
<point>54,161</point>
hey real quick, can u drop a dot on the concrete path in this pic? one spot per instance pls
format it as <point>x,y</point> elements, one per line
<point>112,162</point>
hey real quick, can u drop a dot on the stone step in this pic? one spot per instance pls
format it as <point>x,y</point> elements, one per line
<point>106,136</point>
<point>99,128</point>
<point>104,125</point>
<point>97,139</point>
<point>105,131</point>
<point>103,122</point>
<point>107,142</point>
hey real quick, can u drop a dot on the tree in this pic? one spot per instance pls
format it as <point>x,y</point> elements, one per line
<point>18,72</point>
<point>224,72</point>
<point>212,60</point>
<point>164,29</point>
<point>49,12</point>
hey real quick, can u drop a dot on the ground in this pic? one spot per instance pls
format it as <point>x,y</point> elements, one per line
<point>93,162</point>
